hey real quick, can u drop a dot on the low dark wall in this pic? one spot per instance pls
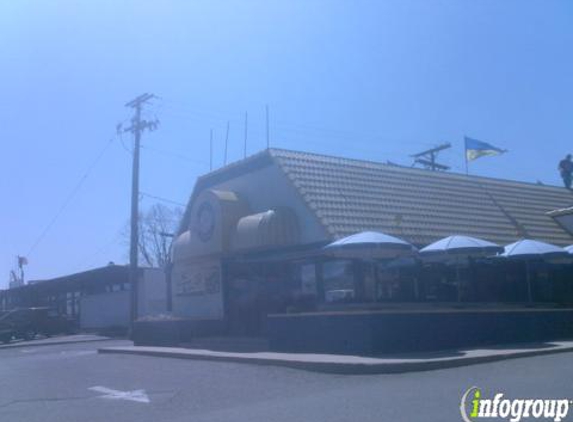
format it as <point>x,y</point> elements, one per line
<point>412,331</point>
<point>174,332</point>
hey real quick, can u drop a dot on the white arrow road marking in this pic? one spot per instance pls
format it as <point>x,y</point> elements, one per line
<point>135,395</point>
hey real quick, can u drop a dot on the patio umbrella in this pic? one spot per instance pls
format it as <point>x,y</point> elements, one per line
<point>527,250</point>
<point>458,247</point>
<point>461,245</point>
<point>370,244</point>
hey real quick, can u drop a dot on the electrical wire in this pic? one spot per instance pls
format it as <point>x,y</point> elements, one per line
<point>69,198</point>
<point>159,198</point>
<point>174,154</point>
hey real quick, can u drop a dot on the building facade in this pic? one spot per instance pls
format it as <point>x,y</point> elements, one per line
<point>250,243</point>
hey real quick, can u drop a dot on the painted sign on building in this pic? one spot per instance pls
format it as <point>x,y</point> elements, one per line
<point>197,291</point>
<point>198,279</point>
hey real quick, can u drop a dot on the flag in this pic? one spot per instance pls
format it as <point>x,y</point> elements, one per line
<point>22,260</point>
<point>476,149</point>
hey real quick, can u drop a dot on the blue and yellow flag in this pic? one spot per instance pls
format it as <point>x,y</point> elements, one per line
<point>476,149</point>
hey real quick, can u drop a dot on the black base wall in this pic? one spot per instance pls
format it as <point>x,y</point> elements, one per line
<point>174,332</point>
<point>387,332</point>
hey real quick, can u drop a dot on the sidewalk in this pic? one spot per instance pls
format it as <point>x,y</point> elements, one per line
<point>344,364</point>
<point>51,341</point>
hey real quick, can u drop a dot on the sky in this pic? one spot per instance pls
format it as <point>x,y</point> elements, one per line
<point>376,80</point>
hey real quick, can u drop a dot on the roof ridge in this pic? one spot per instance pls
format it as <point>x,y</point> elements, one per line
<point>273,152</point>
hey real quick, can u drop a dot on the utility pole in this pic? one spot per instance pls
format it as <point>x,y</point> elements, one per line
<point>137,127</point>
<point>428,158</point>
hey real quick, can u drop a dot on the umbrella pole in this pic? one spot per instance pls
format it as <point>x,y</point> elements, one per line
<point>458,280</point>
<point>528,279</point>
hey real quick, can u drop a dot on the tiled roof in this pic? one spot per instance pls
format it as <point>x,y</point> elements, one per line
<point>419,205</point>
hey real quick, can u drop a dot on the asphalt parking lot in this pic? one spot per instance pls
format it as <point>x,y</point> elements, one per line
<point>71,382</point>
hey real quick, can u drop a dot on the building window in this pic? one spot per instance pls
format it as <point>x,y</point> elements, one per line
<point>308,279</point>
<point>339,282</point>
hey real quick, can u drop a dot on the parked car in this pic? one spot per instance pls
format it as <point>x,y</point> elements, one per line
<point>26,323</point>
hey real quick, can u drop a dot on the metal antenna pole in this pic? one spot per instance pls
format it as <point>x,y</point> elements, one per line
<point>268,129</point>
<point>428,158</point>
<point>211,150</point>
<point>246,133</point>
<point>226,144</point>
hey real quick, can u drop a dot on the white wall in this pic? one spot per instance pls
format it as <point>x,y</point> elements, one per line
<point>113,309</point>
<point>152,292</point>
<point>105,310</point>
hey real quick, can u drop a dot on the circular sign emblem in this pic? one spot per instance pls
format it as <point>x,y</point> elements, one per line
<point>205,221</point>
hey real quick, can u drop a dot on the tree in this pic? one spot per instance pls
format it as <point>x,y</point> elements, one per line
<point>156,229</point>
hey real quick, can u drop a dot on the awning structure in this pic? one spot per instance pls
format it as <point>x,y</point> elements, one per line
<point>269,229</point>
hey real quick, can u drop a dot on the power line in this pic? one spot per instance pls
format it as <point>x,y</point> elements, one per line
<point>159,198</point>
<point>69,198</point>
<point>89,261</point>
<point>174,154</point>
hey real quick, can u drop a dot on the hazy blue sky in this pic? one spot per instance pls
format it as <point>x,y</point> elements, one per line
<point>368,79</point>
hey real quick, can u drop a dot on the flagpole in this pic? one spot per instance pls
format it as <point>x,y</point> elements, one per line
<point>466,155</point>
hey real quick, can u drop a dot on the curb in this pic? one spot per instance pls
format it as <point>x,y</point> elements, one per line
<point>326,366</point>
<point>54,343</point>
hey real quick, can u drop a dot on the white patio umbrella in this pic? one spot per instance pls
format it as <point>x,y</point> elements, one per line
<point>528,250</point>
<point>370,245</point>
<point>458,248</point>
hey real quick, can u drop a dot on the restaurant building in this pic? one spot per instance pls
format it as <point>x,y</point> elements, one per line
<point>251,240</point>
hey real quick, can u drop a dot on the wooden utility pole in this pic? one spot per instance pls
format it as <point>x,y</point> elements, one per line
<point>137,127</point>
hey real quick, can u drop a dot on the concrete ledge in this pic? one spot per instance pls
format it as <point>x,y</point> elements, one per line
<point>354,365</point>
<point>52,341</point>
